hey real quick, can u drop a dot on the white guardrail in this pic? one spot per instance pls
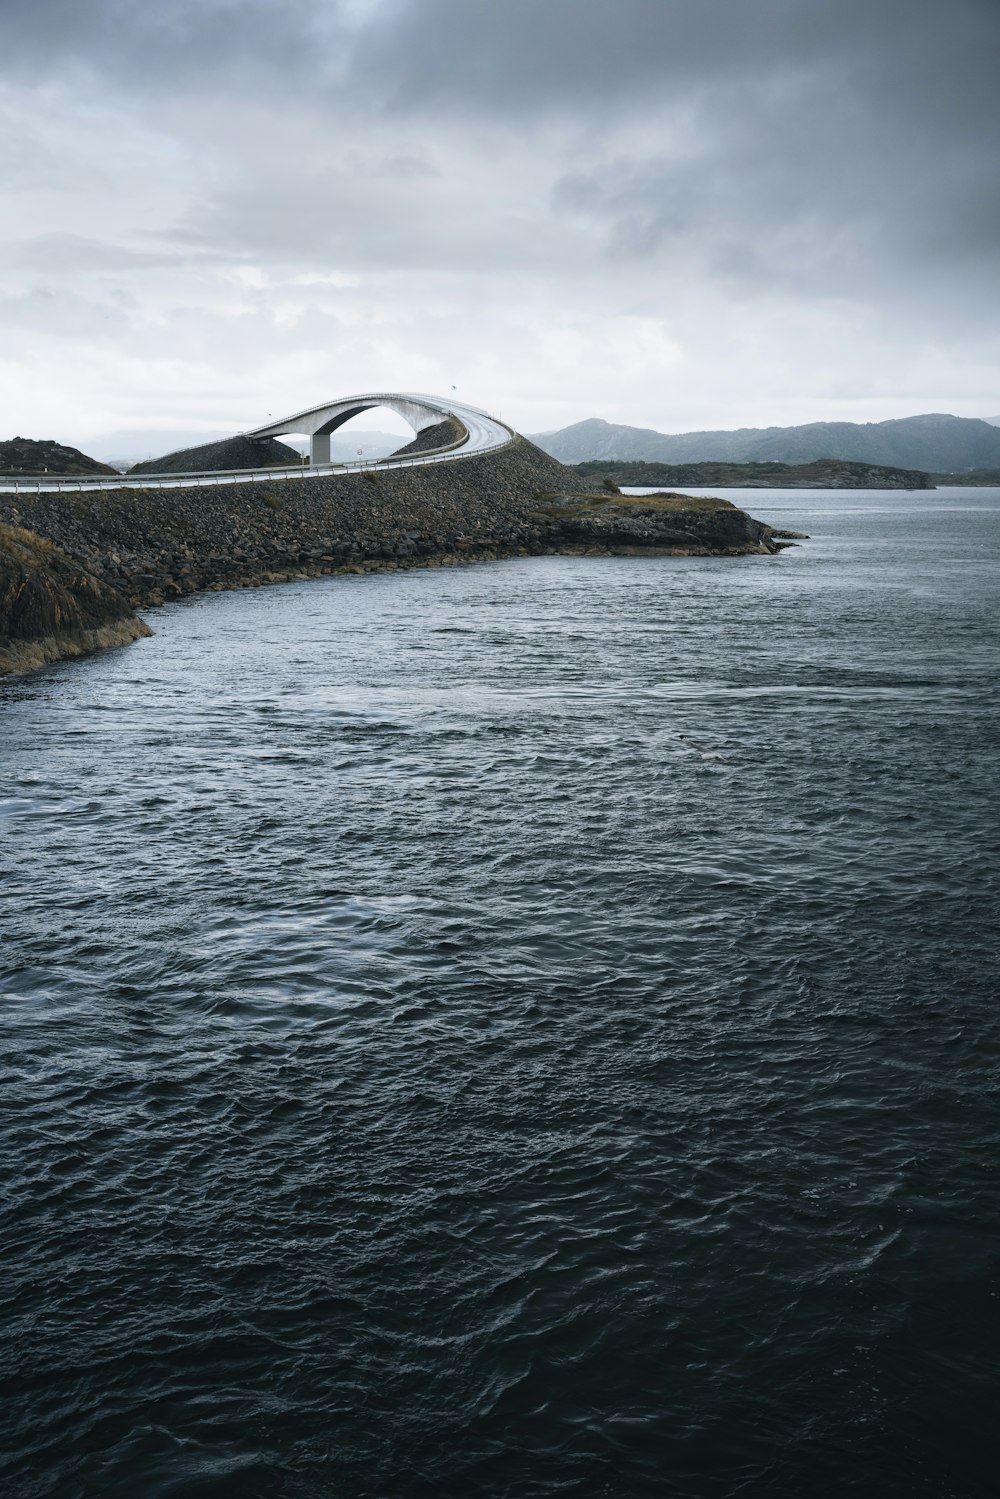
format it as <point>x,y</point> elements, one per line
<point>482,442</point>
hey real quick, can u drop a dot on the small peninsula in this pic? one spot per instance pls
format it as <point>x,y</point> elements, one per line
<point>75,566</point>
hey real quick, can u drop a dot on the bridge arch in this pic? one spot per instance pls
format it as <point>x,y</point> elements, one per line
<point>318,422</point>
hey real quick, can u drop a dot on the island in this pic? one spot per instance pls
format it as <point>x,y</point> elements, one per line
<point>822,473</point>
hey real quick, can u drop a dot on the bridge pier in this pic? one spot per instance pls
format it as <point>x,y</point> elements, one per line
<point>319,447</point>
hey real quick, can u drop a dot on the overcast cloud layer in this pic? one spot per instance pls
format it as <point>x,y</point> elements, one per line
<point>677,213</point>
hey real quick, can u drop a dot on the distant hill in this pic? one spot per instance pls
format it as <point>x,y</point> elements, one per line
<point>216,457</point>
<point>124,448</point>
<point>824,473</point>
<point>989,477</point>
<point>26,455</point>
<point>128,446</point>
<point>935,443</point>
<point>348,445</point>
<point>262,452</point>
<point>442,435</point>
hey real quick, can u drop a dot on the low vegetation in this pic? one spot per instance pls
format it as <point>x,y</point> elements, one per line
<point>52,607</point>
<point>636,504</point>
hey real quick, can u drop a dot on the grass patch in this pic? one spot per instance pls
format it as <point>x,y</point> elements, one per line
<point>667,500</point>
<point>575,505</point>
<point>20,541</point>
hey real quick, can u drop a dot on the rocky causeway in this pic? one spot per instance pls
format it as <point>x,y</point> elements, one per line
<point>76,565</point>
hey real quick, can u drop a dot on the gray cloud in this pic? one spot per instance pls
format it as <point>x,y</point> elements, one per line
<point>520,43</point>
<point>175,43</point>
<point>855,92</point>
<point>932,64</point>
<point>79,255</point>
<point>709,169</point>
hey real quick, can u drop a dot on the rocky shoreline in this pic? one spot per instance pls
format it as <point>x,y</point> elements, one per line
<point>138,548</point>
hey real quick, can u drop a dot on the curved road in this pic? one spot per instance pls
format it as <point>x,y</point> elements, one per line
<point>484,434</point>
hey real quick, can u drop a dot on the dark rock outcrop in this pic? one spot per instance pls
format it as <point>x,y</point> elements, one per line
<point>218,457</point>
<point>26,455</point>
<point>629,525</point>
<point>442,435</point>
<point>50,607</point>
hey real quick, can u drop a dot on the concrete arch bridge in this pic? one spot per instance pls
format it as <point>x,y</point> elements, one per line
<point>478,433</point>
<point>482,432</point>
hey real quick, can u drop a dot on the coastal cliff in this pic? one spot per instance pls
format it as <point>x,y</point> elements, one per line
<point>142,547</point>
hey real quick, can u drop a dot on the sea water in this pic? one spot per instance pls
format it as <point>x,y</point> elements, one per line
<point>520,1029</point>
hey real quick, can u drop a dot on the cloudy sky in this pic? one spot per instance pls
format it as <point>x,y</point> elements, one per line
<point>675,213</point>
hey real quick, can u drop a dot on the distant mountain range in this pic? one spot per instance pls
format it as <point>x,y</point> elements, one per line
<point>933,443</point>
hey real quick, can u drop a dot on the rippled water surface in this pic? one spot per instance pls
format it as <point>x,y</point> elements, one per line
<point>520,1030</point>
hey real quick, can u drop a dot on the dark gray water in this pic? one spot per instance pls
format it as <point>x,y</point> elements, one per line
<point>521,1030</point>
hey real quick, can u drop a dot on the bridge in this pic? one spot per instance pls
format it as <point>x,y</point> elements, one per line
<point>419,412</point>
<point>478,432</point>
